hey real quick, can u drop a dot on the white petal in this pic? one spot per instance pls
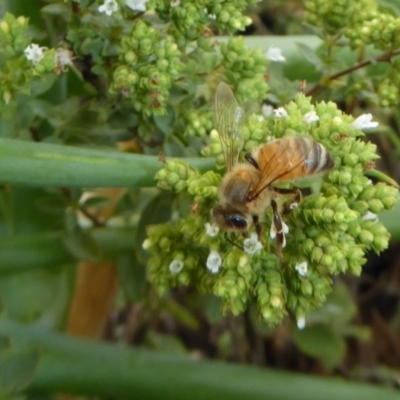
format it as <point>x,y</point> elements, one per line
<point>109,7</point>
<point>251,245</point>
<point>175,267</point>
<point>370,216</point>
<point>267,110</point>
<point>280,113</point>
<point>214,262</point>
<point>34,53</point>
<point>302,268</point>
<point>211,229</point>
<point>275,54</point>
<point>301,323</point>
<point>137,5</point>
<point>364,121</point>
<point>310,117</point>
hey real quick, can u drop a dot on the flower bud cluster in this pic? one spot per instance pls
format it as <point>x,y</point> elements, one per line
<point>214,149</point>
<point>22,61</point>
<point>234,284</point>
<point>247,68</point>
<point>204,186</point>
<point>190,20</point>
<point>175,175</point>
<point>389,87</point>
<point>13,36</point>
<point>271,295</point>
<point>330,16</point>
<point>198,122</point>
<point>374,28</point>
<point>148,65</point>
<point>256,132</point>
<point>307,292</point>
<point>171,263</point>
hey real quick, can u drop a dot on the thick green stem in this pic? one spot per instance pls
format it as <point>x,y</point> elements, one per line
<point>71,365</point>
<point>42,164</point>
<point>47,249</point>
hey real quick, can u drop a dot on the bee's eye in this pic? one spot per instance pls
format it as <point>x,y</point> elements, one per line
<point>237,221</point>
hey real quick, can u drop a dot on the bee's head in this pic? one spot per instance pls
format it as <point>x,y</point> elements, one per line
<point>229,219</point>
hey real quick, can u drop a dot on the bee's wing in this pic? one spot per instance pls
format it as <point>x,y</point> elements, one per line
<point>228,117</point>
<point>283,160</point>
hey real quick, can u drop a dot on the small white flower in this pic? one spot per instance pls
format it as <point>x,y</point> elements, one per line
<point>364,121</point>
<point>370,216</point>
<point>275,54</point>
<point>175,3</point>
<point>267,110</point>
<point>214,261</point>
<point>34,53</point>
<point>62,59</point>
<point>285,230</point>
<point>109,7</point>
<point>137,5</point>
<point>175,267</point>
<point>251,245</point>
<point>280,113</point>
<point>260,118</point>
<point>212,17</point>
<point>302,268</point>
<point>301,323</point>
<point>310,117</point>
<point>211,229</point>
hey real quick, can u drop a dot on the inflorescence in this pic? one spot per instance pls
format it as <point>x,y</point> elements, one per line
<point>328,233</point>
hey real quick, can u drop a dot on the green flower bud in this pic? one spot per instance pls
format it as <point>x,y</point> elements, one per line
<point>316,255</point>
<point>5,28</point>
<point>375,206</point>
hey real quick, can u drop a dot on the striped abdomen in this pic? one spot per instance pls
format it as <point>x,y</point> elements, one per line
<point>290,159</point>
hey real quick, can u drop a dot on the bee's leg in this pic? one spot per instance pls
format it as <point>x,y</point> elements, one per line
<point>278,228</point>
<point>233,241</point>
<point>250,159</point>
<point>292,203</point>
<point>258,227</point>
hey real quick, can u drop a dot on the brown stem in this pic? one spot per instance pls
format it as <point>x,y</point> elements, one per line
<point>96,222</point>
<point>385,57</point>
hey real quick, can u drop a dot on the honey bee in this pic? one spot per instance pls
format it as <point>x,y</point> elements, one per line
<point>247,189</point>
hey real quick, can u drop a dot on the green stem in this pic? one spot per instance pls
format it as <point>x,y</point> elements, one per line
<point>42,164</point>
<point>77,366</point>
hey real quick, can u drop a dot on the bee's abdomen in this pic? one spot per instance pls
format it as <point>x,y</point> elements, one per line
<point>318,158</point>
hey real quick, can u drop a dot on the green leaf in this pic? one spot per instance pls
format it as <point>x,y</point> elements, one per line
<point>157,211</point>
<point>4,343</point>
<point>310,55</point>
<point>132,276</point>
<point>164,122</point>
<point>391,221</point>
<point>56,9</point>
<point>17,370</point>
<point>321,342</point>
<point>43,164</point>
<point>37,295</point>
<point>82,246</point>
<point>337,311</point>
